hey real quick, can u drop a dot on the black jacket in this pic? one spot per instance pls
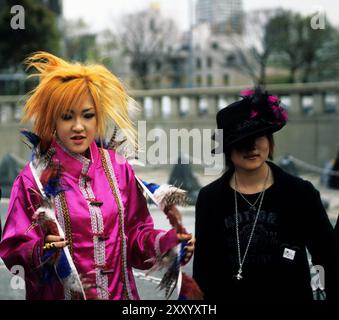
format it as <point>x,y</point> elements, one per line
<point>292,217</point>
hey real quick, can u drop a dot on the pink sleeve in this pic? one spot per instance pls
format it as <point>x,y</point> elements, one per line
<point>19,247</point>
<point>144,242</point>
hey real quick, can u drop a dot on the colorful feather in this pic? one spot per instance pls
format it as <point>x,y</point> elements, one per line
<point>45,217</point>
<point>31,137</point>
<point>102,143</point>
<point>50,179</point>
<point>165,196</point>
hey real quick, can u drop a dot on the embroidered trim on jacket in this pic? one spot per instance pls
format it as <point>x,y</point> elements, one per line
<point>109,171</point>
<point>97,227</point>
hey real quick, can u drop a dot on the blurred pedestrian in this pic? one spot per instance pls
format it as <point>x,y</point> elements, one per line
<point>79,194</point>
<point>254,224</point>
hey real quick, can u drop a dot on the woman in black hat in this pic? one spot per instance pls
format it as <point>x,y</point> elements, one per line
<point>254,224</point>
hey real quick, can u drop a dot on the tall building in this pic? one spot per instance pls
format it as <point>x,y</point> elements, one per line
<point>222,15</point>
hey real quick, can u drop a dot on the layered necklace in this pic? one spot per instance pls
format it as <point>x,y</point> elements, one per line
<point>260,199</point>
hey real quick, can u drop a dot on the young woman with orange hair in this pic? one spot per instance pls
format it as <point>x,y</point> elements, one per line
<point>101,226</point>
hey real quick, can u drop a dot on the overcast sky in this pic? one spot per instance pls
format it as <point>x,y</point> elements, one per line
<point>101,14</point>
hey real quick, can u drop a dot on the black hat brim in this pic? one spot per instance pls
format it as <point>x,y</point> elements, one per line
<point>258,132</point>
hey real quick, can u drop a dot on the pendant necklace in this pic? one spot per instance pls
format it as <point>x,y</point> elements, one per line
<point>239,276</point>
<point>252,205</point>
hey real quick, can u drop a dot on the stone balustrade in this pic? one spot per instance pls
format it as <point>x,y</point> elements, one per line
<point>312,133</point>
<point>301,99</point>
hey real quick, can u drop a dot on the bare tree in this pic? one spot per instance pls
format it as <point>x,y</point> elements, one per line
<point>252,49</point>
<point>145,37</point>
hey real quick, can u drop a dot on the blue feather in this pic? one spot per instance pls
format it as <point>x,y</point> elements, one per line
<point>31,137</point>
<point>48,273</point>
<point>105,144</point>
<point>63,268</point>
<point>183,250</point>
<point>151,186</point>
<point>52,187</point>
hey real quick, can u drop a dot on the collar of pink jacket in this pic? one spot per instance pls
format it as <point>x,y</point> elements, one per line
<point>75,164</point>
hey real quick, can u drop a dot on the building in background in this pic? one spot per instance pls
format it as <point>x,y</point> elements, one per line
<point>212,56</point>
<point>224,16</point>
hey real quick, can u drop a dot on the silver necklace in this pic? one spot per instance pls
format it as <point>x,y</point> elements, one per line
<point>239,276</point>
<point>252,205</point>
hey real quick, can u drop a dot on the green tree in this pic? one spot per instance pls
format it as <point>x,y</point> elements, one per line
<point>80,42</point>
<point>304,51</point>
<point>320,52</point>
<point>40,33</point>
<point>287,28</point>
<point>327,66</point>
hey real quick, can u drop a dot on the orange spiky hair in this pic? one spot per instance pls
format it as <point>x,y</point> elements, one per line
<point>63,85</point>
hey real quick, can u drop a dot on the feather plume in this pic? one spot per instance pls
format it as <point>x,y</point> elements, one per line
<point>164,195</point>
<point>50,179</point>
<point>167,195</point>
<point>31,137</point>
<point>57,263</point>
<point>169,262</point>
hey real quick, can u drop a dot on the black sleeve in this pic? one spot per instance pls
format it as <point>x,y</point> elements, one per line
<point>204,255</point>
<point>320,241</point>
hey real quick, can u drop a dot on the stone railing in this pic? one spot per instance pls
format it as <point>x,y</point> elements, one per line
<point>11,109</point>
<point>312,133</point>
<point>309,98</point>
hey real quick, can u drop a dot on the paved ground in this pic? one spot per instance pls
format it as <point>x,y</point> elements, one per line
<point>147,288</point>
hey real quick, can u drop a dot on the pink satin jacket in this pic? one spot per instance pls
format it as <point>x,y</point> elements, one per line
<point>104,216</point>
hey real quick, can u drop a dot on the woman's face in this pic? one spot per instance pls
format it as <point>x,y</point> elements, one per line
<point>76,129</point>
<point>251,154</point>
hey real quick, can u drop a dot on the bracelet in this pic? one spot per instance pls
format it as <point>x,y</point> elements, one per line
<point>48,246</point>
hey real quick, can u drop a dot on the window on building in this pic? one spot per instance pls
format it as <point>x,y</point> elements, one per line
<point>209,80</point>
<point>158,65</point>
<point>157,82</point>
<point>152,25</point>
<point>198,81</point>
<point>209,62</point>
<point>226,79</point>
<point>215,45</point>
<point>198,63</point>
<point>230,60</point>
